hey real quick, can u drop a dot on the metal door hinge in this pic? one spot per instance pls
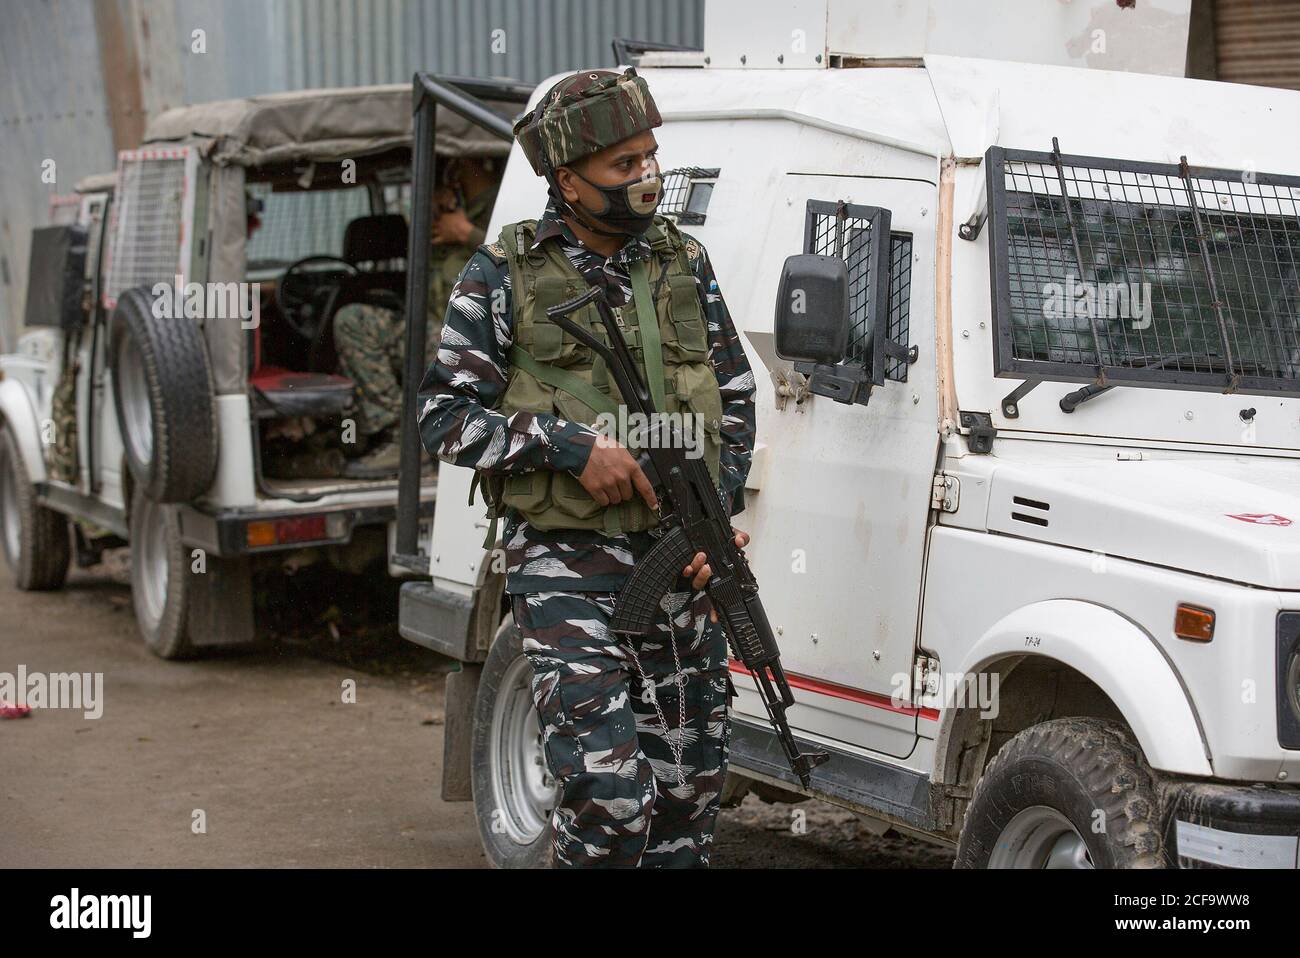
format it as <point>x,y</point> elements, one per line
<point>945,495</point>
<point>925,678</point>
<point>790,385</point>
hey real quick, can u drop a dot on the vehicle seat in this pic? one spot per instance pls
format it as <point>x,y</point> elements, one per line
<point>373,244</point>
<point>282,393</point>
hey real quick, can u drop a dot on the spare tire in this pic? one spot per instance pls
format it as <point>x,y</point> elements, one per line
<point>163,392</point>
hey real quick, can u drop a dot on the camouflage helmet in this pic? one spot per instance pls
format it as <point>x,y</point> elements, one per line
<point>584,113</point>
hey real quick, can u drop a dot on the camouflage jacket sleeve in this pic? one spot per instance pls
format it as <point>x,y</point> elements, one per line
<point>735,381</point>
<point>465,382</point>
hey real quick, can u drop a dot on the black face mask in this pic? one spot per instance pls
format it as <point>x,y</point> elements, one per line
<point>629,207</point>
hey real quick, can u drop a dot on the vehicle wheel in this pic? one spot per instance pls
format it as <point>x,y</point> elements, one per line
<point>162,389</point>
<point>35,540</point>
<point>160,588</point>
<point>1069,793</point>
<point>513,791</point>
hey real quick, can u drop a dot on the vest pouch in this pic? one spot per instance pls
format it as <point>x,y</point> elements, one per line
<point>547,342</point>
<point>697,390</point>
<point>526,394</point>
<point>690,333</point>
<point>526,491</point>
<point>567,492</point>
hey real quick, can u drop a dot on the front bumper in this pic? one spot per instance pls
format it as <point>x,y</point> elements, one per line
<point>1214,825</point>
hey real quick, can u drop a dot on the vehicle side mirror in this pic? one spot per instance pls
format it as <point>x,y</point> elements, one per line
<point>812,309</point>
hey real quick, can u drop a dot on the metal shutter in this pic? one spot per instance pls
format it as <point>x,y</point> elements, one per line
<point>1258,41</point>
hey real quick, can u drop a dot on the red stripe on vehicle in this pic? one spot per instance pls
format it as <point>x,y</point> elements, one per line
<point>861,696</point>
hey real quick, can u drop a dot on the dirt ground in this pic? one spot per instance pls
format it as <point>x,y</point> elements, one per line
<point>261,748</point>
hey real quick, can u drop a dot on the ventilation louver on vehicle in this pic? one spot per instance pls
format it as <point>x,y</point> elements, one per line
<point>1035,511</point>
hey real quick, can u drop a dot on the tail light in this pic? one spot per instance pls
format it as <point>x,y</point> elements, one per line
<point>265,533</point>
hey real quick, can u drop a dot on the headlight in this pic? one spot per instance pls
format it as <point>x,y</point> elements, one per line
<point>1288,680</point>
<point>1292,680</point>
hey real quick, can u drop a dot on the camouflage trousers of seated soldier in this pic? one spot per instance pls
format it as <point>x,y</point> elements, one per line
<point>622,803</point>
<point>371,343</point>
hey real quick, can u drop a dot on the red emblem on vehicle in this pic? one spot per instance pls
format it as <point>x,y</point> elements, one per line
<point>1262,518</point>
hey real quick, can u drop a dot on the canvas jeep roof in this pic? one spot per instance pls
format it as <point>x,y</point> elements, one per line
<point>97,183</point>
<point>281,129</point>
<point>316,125</point>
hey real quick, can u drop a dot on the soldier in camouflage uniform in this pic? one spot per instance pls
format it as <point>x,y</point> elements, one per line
<point>61,451</point>
<point>371,340</point>
<point>635,731</point>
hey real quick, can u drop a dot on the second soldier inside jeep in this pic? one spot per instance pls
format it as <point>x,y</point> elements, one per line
<point>634,732</point>
<point>371,340</point>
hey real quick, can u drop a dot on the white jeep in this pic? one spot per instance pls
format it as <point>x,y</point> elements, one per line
<point>1028,527</point>
<point>186,307</point>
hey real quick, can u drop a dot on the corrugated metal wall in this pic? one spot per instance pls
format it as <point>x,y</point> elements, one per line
<point>51,107</point>
<point>50,65</point>
<point>1258,41</point>
<point>343,42</point>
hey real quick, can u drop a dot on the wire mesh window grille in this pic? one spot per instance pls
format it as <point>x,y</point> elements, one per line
<point>900,300</point>
<point>298,223</point>
<point>845,230</point>
<point>1151,274</point>
<point>687,192</point>
<point>148,232</point>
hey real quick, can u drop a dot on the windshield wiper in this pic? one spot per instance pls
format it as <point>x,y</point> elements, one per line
<point>1073,400</point>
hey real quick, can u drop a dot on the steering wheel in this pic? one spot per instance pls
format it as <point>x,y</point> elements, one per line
<point>304,289</point>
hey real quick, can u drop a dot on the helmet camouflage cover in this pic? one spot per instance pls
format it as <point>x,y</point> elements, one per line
<point>584,113</point>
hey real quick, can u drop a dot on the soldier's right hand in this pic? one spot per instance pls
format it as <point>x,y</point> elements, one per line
<point>612,475</point>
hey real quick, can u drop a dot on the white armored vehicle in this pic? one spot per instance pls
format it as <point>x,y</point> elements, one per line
<point>1031,540</point>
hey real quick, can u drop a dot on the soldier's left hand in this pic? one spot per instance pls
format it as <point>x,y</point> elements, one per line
<point>699,572</point>
<point>453,227</point>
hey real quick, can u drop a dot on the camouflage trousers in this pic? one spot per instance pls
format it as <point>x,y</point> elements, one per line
<point>622,803</point>
<point>371,343</point>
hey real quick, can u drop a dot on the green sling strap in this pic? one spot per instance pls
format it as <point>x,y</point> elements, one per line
<point>564,380</point>
<point>489,540</point>
<point>647,321</point>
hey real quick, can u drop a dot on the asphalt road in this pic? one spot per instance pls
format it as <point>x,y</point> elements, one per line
<point>261,749</point>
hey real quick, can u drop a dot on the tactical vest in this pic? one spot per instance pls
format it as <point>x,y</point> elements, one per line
<point>551,372</point>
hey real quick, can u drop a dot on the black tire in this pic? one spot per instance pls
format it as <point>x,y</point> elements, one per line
<point>163,394</point>
<point>1087,771</point>
<point>35,540</point>
<point>160,578</point>
<point>503,826</point>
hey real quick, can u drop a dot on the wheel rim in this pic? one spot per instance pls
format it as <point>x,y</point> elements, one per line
<point>134,390</point>
<point>522,788</point>
<point>10,520</point>
<point>1040,837</point>
<point>149,554</point>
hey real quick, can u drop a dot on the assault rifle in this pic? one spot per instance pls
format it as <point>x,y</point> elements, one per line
<point>693,520</point>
